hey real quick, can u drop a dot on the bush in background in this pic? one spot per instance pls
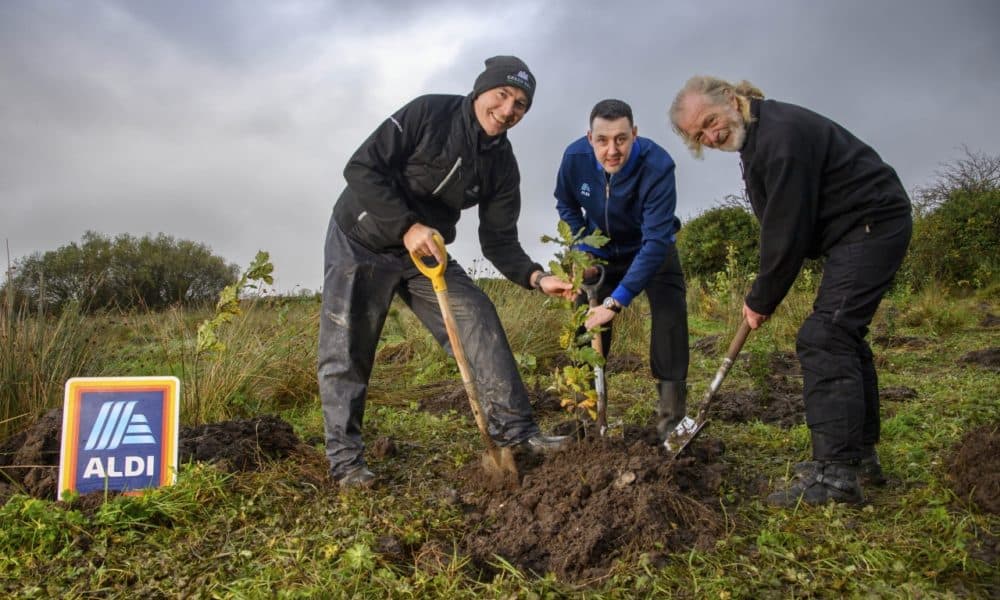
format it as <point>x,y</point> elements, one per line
<point>956,227</point>
<point>125,272</point>
<point>704,242</point>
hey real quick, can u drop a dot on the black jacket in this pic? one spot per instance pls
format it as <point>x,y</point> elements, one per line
<point>809,181</point>
<point>426,163</point>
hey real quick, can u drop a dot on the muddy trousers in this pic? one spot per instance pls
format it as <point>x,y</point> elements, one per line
<point>358,289</point>
<point>668,341</point>
<point>840,385</point>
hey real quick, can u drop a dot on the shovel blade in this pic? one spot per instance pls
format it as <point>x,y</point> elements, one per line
<point>498,462</point>
<point>682,435</point>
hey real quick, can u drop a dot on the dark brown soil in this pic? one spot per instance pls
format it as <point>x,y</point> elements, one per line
<point>30,459</point>
<point>990,320</point>
<point>708,345</point>
<point>899,393</point>
<point>988,358</point>
<point>974,467</point>
<point>626,363</point>
<point>579,510</point>
<point>780,405</point>
<point>900,341</point>
<point>441,398</point>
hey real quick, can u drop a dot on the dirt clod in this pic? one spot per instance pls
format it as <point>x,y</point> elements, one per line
<point>988,358</point>
<point>974,467</point>
<point>899,393</point>
<point>384,447</point>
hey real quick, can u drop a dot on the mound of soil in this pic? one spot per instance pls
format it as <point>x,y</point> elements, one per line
<point>708,345</point>
<point>579,510</point>
<point>30,459</point>
<point>781,405</point>
<point>441,398</point>
<point>239,445</point>
<point>899,393</point>
<point>626,363</point>
<point>987,357</point>
<point>900,341</point>
<point>974,467</point>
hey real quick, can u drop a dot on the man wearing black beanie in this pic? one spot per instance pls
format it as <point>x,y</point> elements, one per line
<point>406,184</point>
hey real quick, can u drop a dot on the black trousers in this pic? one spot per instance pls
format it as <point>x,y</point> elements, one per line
<point>668,341</point>
<point>840,385</point>
<point>358,288</point>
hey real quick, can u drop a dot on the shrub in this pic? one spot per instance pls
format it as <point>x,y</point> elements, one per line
<point>704,242</point>
<point>955,244</point>
<point>124,272</point>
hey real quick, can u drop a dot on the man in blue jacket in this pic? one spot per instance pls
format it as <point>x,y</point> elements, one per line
<point>408,182</point>
<point>623,184</point>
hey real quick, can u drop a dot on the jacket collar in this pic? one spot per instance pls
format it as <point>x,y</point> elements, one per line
<point>746,153</point>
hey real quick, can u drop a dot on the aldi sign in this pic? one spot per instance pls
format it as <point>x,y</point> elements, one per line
<point>119,433</point>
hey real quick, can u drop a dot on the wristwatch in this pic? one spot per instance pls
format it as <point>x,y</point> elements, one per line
<point>612,304</point>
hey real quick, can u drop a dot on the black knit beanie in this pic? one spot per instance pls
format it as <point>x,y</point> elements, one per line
<point>505,70</point>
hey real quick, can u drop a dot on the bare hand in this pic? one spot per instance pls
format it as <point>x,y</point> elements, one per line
<point>419,240</point>
<point>554,286</point>
<point>754,319</point>
<point>598,316</point>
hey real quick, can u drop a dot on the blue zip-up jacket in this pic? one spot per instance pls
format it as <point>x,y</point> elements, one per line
<point>634,207</point>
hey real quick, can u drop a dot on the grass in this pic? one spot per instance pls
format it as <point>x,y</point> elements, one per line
<point>285,533</point>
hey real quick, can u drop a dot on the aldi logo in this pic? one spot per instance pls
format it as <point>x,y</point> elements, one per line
<point>131,426</point>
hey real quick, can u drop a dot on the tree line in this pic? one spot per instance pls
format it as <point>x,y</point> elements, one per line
<point>955,236</point>
<point>124,272</point>
<point>956,230</point>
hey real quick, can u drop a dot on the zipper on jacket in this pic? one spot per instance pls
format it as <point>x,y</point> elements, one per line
<point>458,163</point>
<point>607,204</point>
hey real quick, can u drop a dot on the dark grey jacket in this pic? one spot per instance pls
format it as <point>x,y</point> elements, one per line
<point>426,163</point>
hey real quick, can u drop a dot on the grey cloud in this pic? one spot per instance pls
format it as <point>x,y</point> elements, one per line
<point>229,122</point>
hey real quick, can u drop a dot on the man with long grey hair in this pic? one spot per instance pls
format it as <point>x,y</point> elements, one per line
<point>818,191</point>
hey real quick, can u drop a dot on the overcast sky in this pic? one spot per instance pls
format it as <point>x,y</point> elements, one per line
<point>229,122</point>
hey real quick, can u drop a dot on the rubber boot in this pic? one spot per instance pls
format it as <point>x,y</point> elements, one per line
<point>820,482</point>
<point>671,407</point>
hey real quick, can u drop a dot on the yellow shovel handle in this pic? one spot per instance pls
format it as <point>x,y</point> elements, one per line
<point>435,273</point>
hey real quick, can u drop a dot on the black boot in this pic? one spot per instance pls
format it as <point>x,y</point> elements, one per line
<point>819,482</point>
<point>671,407</point>
<point>870,468</point>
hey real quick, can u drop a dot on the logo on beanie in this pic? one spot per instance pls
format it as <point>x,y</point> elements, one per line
<point>520,78</point>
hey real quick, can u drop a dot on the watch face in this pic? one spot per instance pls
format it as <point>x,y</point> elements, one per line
<point>609,302</point>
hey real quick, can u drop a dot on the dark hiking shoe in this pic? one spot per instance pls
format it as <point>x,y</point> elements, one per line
<point>870,469</point>
<point>539,443</point>
<point>817,483</point>
<point>359,477</point>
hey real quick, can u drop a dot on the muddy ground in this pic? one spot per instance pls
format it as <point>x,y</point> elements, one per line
<point>573,513</point>
<point>30,459</point>
<point>579,510</point>
<point>974,467</point>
